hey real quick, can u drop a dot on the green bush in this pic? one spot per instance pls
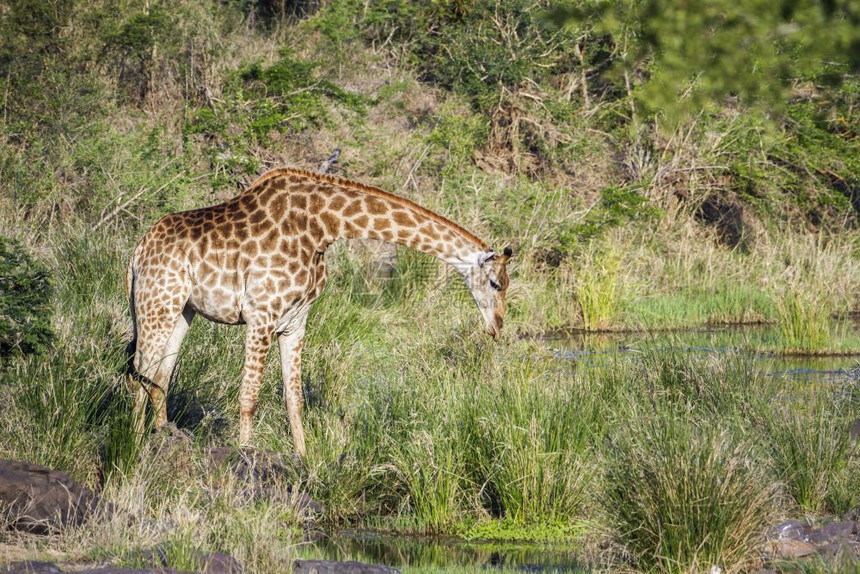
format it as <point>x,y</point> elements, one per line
<point>25,301</point>
<point>487,50</point>
<point>286,97</point>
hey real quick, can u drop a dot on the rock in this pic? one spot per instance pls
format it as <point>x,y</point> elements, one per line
<point>842,552</point>
<point>851,516</point>
<point>31,566</point>
<point>220,563</point>
<point>791,548</point>
<point>114,570</point>
<point>854,429</point>
<point>259,467</point>
<point>335,567</point>
<point>790,530</point>
<point>830,532</point>
<point>40,500</point>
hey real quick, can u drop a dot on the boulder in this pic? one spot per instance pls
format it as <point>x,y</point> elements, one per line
<point>41,500</point>
<point>335,567</point>
<point>791,548</point>
<point>790,530</point>
<point>831,532</point>
<point>31,567</point>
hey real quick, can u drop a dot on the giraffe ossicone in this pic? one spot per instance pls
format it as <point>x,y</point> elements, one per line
<point>258,259</point>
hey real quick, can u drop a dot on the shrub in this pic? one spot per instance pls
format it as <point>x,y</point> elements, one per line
<point>25,301</point>
<point>258,101</point>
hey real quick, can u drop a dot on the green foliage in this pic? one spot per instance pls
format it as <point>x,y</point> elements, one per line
<point>700,52</point>
<point>259,101</point>
<point>804,320</point>
<point>598,290</point>
<point>25,301</point>
<point>617,206</point>
<point>459,137</point>
<point>487,50</point>
<point>62,406</point>
<point>515,531</point>
<point>533,451</point>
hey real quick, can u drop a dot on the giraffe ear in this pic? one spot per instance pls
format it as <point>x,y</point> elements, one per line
<point>484,257</point>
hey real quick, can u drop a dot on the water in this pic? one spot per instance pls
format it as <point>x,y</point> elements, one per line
<point>438,553</point>
<point>581,351</point>
<point>754,342</point>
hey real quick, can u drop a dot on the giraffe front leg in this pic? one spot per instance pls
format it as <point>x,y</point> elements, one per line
<point>290,347</point>
<point>257,342</point>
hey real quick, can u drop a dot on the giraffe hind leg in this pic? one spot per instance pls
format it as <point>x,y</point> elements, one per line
<point>160,332</point>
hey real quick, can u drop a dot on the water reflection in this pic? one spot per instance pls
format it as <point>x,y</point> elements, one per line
<point>586,348</point>
<point>437,552</point>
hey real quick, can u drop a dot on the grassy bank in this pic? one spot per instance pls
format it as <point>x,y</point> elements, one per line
<point>416,423</point>
<point>431,430</point>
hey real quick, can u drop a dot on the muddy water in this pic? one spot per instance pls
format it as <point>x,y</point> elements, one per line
<point>580,351</point>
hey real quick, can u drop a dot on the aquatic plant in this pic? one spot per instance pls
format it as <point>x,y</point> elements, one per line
<point>804,319</point>
<point>809,446</point>
<point>598,289</point>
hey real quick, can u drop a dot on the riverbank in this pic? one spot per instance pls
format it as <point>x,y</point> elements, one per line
<point>418,423</point>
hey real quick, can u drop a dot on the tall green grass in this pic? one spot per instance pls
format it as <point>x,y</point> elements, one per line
<point>811,450</point>
<point>598,290</point>
<point>805,320</point>
<point>685,494</point>
<point>679,459</point>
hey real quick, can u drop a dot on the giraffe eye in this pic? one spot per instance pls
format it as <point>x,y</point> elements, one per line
<point>495,285</point>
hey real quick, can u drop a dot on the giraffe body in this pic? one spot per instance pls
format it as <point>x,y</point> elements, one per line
<point>258,259</point>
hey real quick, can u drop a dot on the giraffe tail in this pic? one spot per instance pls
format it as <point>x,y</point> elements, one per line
<point>129,291</point>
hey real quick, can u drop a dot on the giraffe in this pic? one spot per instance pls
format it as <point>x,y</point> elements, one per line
<point>258,259</point>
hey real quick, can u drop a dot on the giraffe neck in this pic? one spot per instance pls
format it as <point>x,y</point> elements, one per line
<point>404,223</point>
<point>340,209</point>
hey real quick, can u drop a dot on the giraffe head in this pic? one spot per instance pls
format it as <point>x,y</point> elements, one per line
<point>489,284</point>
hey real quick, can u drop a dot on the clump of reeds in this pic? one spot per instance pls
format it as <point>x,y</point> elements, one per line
<point>685,494</point>
<point>804,319</point>
<point>598,290</point>
<point>807,441</point>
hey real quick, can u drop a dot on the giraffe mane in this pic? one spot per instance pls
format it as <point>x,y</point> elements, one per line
<point>370,190</point>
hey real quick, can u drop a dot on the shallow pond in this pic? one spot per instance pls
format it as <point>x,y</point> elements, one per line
<point>755,342</point>
<point>580,351</point>
<point>443,554</point>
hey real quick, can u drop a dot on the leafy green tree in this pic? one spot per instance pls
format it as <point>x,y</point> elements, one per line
<point>678,57</point>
